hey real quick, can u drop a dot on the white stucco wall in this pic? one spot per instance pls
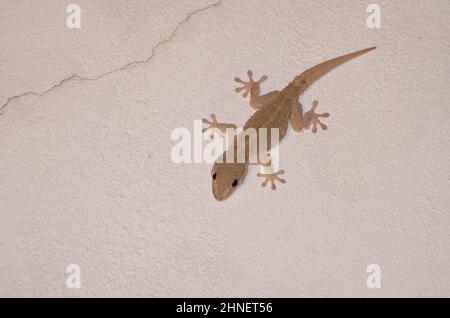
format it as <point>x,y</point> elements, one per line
<point>86,175</point>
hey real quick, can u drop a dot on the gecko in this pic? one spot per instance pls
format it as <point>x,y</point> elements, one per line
<point>275,109</point>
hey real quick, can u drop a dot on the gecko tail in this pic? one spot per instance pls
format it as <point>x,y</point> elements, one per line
<point>308,77</point>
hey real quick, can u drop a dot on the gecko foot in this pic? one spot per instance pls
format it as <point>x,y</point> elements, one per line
<point>272,177</point>
<point>251,85</point>
<point>213,124</point>
<point>312,119</point>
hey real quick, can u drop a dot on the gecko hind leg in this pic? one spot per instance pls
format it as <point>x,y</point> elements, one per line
<point>312,119</point>
<point>252,87</point>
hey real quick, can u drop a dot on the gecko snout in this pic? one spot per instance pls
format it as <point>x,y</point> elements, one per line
<point>218,197</point>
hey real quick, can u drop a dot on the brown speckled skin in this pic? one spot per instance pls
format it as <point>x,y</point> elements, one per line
<point>278,108</point>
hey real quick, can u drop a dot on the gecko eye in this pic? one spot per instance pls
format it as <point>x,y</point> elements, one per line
<point>214,176</point>
<point>235,182</point>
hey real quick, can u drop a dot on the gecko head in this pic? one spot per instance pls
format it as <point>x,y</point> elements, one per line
<point>226,177</point>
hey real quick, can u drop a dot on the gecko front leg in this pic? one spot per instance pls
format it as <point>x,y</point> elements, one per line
<point>271,177</point>
<point>253,88</point>
<point>268,174</point>
<point>214,125</point>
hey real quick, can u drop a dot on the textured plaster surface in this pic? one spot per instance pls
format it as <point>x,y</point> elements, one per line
<point>86,175</point>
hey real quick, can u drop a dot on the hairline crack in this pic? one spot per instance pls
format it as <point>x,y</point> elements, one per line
<point>165,40</point>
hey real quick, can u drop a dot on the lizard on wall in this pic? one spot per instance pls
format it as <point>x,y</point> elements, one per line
<point>274,110</point>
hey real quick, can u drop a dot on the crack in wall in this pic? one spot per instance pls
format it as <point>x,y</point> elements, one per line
<point>73,77</point>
